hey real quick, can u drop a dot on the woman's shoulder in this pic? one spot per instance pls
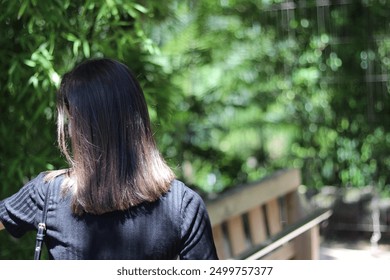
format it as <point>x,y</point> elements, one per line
<point>180,188</point>
<point>185,195</point>
<point>45,180</point>
<point>51,175</point>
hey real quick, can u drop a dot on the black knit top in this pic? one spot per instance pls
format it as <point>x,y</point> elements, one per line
<point>175,226</point>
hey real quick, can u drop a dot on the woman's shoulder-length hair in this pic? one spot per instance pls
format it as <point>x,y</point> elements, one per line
<point>115,163</point>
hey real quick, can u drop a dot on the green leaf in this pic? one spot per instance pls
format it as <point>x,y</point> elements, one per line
<point>30,63</point>
<point>140,8</point>
<point>22,9</point>
<point>86,49</point>
<point>76,46</point>
<point>70,37</point>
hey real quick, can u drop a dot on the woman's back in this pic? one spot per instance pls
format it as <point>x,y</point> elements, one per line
<point>174,226</point>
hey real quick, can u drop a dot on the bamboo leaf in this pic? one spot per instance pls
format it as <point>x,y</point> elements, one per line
<point>86,49</point>
<point>22,9</point>
<point>140,8</point>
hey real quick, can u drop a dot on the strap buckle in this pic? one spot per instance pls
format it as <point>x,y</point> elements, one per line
<point>42,226</point>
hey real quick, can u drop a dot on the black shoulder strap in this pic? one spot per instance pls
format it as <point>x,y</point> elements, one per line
<point>42,226</point>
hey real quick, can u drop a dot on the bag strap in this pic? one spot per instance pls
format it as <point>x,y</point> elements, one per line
<point>42,226</point>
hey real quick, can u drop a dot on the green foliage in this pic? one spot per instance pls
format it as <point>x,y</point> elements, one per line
<point>267,85</point>
<point>40,41</point>
<point>236,89</point>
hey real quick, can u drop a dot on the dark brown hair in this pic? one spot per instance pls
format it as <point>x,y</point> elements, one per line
<point>115,163</point>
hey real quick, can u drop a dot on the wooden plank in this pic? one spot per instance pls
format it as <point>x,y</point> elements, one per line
<point>240,200</point>
<point>307,244</point>
<point>287,234</point>
<point>236,234</point>
<point>273,216</point>
<point>299,240</point>
<point>315,243</point>
<point>294,207</point>
<point>286,252</point>
<point>257,226</point>
<point>219,240</point>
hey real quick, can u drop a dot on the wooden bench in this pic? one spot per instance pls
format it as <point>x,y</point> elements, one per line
<point>266,220</point>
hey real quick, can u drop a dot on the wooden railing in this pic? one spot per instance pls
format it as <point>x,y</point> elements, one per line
<point>266,220</point>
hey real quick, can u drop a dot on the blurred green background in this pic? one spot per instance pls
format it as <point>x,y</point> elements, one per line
<point>236,88</point>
